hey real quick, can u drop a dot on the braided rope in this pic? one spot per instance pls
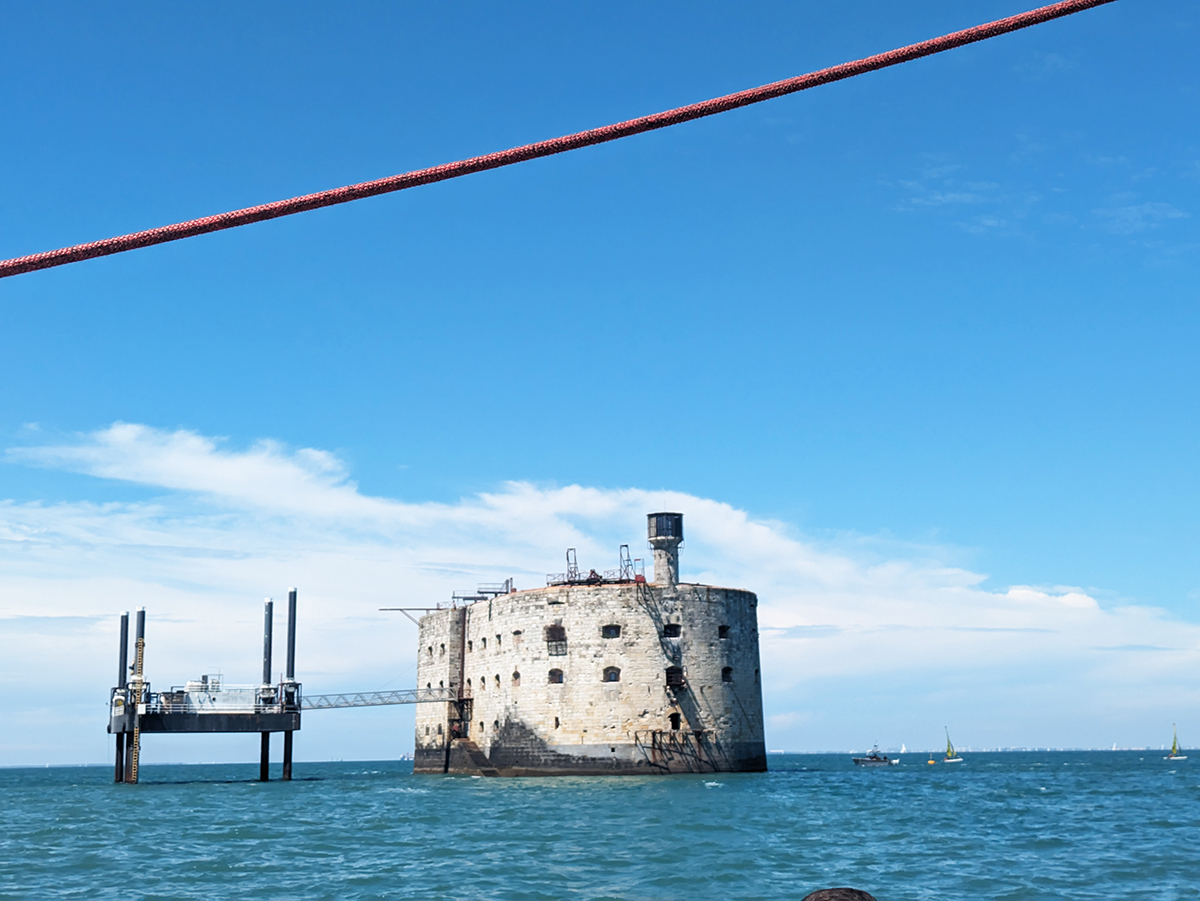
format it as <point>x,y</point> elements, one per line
<point>446,171</point>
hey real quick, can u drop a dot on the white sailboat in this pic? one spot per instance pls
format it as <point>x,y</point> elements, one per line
<point>1175,755</point>
<point>951,754</point>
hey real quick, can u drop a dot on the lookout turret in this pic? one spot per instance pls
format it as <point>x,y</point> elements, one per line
<point>666,535</point>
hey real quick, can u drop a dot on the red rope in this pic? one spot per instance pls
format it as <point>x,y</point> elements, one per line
<point>542,148</point>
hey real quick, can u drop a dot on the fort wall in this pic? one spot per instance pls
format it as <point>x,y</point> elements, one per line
<point>617,678</point>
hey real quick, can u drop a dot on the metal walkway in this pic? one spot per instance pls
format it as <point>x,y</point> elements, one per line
<point>378,698</point>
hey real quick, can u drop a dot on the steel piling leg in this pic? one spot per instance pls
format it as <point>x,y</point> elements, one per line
<point>119,769</point>
<point>264,760</point>
<point>287,757</point>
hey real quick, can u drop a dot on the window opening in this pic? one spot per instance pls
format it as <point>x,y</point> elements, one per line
<point>556,722</point>
<point>674,677</point>
<point>443,651</point>
<point>727,674</point>
<point>556,677</point>
<point>722,632</point>
<point>613,631</point>
<point>675,721</point>
<point>612,674</point>
<point>470,646</point>
<point>556,641</point>
<point>516,678</point>
<point>671,630</point>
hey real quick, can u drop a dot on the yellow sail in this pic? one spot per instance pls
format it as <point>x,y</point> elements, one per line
<point>1174,741</point>
<point>949,746</point>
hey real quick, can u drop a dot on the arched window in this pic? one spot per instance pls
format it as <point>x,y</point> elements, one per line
<point>722,632</point>
<point>481,725</point>
<point>671,630</point>
<point>612,674</point>
<point>431,650</point>
<point>556,677</point>
<point>516,678</point>
<point>483,644</point>
<point>727,674</point>
<point>470,646</point>
<point>495,724</point>
<point>443,651</point>
<point>439,728</point>
<point>613,631</point>
<point>674,677</point>
<point>468,685</point>
<point>497,680</point>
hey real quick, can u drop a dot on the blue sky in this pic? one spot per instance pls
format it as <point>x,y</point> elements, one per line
<point>945,312</point>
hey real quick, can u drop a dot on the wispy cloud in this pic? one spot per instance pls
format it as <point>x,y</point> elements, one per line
<point>1129,219</point>
<point>839,625</point>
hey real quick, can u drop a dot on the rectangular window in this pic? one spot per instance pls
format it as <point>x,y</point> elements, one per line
<point>556,641</point>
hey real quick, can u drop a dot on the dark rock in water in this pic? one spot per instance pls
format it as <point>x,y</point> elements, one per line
<point>839,894</point>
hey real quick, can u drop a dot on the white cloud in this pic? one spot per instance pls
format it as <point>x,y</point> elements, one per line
<point>1130,219</point>
<point>856,646</point>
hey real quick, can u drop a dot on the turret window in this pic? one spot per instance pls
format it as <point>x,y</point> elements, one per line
<point>612,674</point>
<point>556,677</point>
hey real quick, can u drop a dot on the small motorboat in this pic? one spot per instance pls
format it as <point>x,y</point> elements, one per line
<point>875,759</point>
<point>1175,749</point>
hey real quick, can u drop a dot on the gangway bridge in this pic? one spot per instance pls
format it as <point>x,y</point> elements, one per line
<point>208,705</point>
<point>379,698</point>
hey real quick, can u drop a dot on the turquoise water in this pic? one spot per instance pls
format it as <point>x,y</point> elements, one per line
<point>1012,825</point>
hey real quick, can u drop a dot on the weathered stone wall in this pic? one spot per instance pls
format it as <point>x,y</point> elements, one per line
<point>524,722</point>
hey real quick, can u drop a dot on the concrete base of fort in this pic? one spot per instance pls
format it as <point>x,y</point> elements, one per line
<point>519,752</point>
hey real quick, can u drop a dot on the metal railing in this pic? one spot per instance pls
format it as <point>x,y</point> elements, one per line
<point>283,698</point>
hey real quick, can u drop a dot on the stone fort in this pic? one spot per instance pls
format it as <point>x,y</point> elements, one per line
<point>595,674</point>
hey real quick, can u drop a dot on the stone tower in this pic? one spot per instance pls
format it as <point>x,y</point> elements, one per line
<point>595,674</point>
<point>666,537</point>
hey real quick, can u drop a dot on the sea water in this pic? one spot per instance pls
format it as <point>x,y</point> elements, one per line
<point>1004,825</point>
